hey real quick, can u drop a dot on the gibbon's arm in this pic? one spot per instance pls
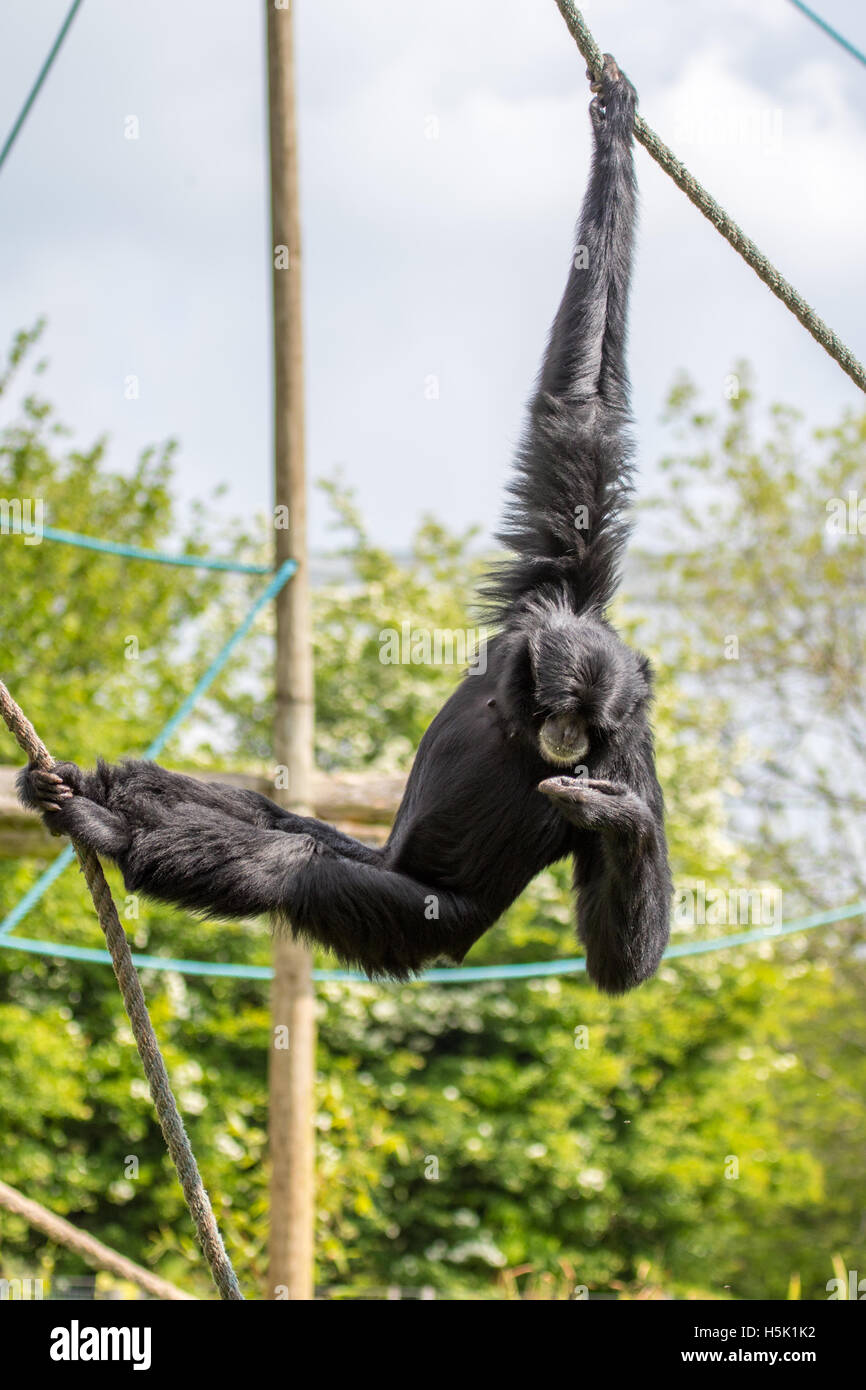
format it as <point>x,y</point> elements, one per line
<point>621,872</point>
<point>566,524</point>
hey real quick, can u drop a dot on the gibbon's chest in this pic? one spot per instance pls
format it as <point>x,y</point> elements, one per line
<point>471,810</point>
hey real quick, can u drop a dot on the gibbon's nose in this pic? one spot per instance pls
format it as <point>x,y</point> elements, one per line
<point>563,739</point>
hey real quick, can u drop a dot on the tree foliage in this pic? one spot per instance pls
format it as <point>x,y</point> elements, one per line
<point>704,1133</point>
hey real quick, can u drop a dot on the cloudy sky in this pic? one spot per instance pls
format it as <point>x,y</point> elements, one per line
<point>424,257</point>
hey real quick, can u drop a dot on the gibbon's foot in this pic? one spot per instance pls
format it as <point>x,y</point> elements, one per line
<point>36,784</point>
<point>46,792</point>
<point>597,805</point>
<point>55,794</point>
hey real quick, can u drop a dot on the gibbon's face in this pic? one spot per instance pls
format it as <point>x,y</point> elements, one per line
<point>587,682</point>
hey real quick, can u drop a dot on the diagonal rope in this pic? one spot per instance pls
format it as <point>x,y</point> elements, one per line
<point>828,29</point>
<point>716,214</point>
<point>40,78</point>
<point>148,1048</point>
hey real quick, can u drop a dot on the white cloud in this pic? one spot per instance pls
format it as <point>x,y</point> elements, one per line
<point>421,256</point>
<point>789,169</point>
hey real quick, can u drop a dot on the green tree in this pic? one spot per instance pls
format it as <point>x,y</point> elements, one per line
<point>765,571</point>
<point>706,1128</point>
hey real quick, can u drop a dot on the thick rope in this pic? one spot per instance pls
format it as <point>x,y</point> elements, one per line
<point>717,215</point>
<point>148,1048</point>
<point>91,1250</point>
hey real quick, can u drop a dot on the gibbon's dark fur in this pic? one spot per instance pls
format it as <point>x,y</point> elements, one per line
<point>484,809</point>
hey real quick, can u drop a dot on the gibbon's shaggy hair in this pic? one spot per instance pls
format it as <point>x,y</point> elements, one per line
<point>484,809</point>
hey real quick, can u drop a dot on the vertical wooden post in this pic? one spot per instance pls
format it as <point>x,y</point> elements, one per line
<point>293,1041</point>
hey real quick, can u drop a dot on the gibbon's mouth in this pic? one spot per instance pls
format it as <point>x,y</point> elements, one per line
<point>562,740</point>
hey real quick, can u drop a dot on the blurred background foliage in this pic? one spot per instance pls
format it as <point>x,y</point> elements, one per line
<point>507,1136</point>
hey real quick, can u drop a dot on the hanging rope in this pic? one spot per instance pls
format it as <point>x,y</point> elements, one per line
<point>717,215</point>
<point>148,1048</point>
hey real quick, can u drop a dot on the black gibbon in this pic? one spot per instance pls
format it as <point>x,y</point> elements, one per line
<point>490,800</point>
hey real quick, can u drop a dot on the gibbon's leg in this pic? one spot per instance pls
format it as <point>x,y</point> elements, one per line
<point>197,856</point>
<point>382,921</point>
<point>145,778</point>
<point>135,790</point>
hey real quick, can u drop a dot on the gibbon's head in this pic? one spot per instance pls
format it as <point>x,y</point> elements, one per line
<point>587,683</point>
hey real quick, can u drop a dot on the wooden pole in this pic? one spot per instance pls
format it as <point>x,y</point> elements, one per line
<point>293,1040</point>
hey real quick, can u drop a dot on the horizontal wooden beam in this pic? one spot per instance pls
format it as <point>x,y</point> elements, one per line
<point>360,803</point>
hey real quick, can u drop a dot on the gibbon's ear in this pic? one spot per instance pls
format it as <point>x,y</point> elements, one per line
<point>628,691</point>
<point>515,686</point>
<point>646,670</point>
